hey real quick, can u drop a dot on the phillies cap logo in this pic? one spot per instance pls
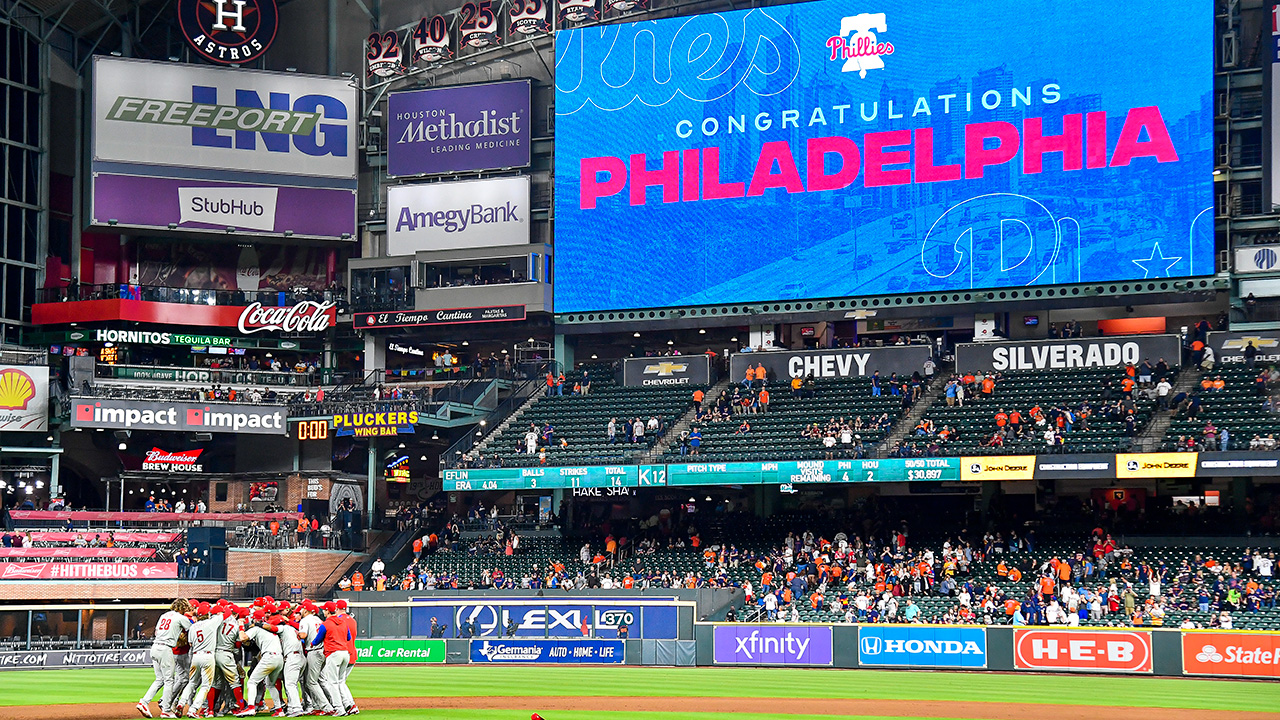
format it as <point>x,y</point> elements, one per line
<point>229,31</point>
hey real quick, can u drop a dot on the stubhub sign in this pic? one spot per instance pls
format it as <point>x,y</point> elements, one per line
<point>920,646</point>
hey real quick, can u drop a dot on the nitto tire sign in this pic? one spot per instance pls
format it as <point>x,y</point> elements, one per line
<point>920,646</point>
<point>1082,650</point>
<point>38,660</point>
<point>548,651</point>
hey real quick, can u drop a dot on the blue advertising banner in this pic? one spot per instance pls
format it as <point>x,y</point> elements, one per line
<point>811,151</point>
<point>541,619</point>
<point>547,651</point>
<point>922,646</point>
<point>455,129</point>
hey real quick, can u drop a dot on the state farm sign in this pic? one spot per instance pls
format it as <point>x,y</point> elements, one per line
<point>1228,653</point>
<point>1082,650</point>
<point>306,316</point>
<point>185,461</point>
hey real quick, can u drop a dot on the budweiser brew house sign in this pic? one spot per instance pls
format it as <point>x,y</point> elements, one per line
<point>305,317</point>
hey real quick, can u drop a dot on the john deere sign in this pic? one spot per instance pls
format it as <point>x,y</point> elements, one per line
<point>400,651</point>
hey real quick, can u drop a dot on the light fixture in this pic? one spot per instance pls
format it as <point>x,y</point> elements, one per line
<point>346,236</point>
<point>435,435</point>
<point>483,423</point>
<point>702,331</point>
<point>268,354</point>
<point>530,339</point>
<point>21,484</point>
<point>424,458</point>
<point>635,334</point>
<point>30,490</point>
<point>288,233</point>
<point>174,58</point>
<point>708,498</point>
<point>124,446</point>
<point>230,229</point>
<point>465,343</point>
<point>693,499</point>
<point>173,226</point>
<point>49,439</point>
<point>671,342</point>
<point>113,221</point>
<point>504,351</point>
<point>593,356</point>
<point>108,344</point>
<point>733,339</point>
<point>130,492</point>
<point>401,446</point>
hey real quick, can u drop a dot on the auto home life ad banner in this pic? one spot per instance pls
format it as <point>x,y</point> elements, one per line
<point>823,149</point>
<point>189,148</point>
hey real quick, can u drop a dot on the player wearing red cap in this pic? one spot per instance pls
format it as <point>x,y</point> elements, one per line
<point>337,658</point>
<point>202,637</point>
<point>291,645</point>
<point>351,652</point>
<point>225,651</point>
<point>270,661</point>
<point>309,626</point>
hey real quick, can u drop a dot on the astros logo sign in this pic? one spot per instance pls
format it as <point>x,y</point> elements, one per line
<point>229,31</point>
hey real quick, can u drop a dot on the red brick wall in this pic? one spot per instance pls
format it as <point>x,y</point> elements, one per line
<point>304,567</point>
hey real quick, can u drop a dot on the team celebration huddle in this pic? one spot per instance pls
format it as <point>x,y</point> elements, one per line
<point>224,659</point>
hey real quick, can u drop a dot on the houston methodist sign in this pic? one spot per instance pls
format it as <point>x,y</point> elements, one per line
<point>799,131</point>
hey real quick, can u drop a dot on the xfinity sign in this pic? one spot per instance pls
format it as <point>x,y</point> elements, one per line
<point>921,646</point>
<point>773,644</point>
<point>455,215</point>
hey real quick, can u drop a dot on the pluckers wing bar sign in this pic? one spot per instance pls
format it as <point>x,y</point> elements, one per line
<point>306,316</point>
<point>375,424</point>
<point>453,316</point>
<point>229,32</point>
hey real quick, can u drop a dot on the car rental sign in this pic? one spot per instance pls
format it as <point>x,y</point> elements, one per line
<point>111,414</point>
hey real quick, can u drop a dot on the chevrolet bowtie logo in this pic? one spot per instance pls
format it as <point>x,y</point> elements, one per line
<point>1243,342</point>
<point>665,369</point>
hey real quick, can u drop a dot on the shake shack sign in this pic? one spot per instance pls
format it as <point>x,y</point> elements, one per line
<point>453,316</point>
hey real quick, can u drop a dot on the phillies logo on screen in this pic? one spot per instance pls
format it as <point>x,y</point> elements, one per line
<point>578,10</point>
<point>306,316</point>
<point>857,44</point>
<point>229,31</point>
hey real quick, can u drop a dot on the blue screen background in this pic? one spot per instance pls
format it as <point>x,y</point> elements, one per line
<point>621,90</point>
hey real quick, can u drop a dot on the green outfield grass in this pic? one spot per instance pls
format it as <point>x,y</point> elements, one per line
<point>115,685</point>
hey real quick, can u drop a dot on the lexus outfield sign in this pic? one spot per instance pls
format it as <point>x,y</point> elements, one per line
<point>672,370</point>
<point>457,215</point>
<point>110,414</point>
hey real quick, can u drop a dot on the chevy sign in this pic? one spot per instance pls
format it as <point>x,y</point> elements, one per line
<point>921,646</point>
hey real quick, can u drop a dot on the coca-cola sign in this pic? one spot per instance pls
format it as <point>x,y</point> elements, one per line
<point>306,316</point>
<point>185,461</point>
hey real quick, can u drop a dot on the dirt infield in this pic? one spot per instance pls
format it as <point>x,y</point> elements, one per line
<point>521,706</point>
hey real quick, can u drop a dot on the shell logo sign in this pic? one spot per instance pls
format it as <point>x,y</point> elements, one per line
<point>16,389</point>
<point>24,398</point>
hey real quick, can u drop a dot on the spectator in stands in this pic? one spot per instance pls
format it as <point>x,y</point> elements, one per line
<point>762,400</point>
<point>638,430</point>
<point>695,441</point>
<point>875,384</point>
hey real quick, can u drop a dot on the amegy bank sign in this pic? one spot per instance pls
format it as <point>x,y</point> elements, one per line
<point>110,414</point>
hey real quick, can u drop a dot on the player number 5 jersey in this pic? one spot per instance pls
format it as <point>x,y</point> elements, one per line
<point>203,635</point>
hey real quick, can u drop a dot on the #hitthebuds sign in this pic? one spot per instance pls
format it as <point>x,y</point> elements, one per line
<point>456,129</point>
<point>191,148</point>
